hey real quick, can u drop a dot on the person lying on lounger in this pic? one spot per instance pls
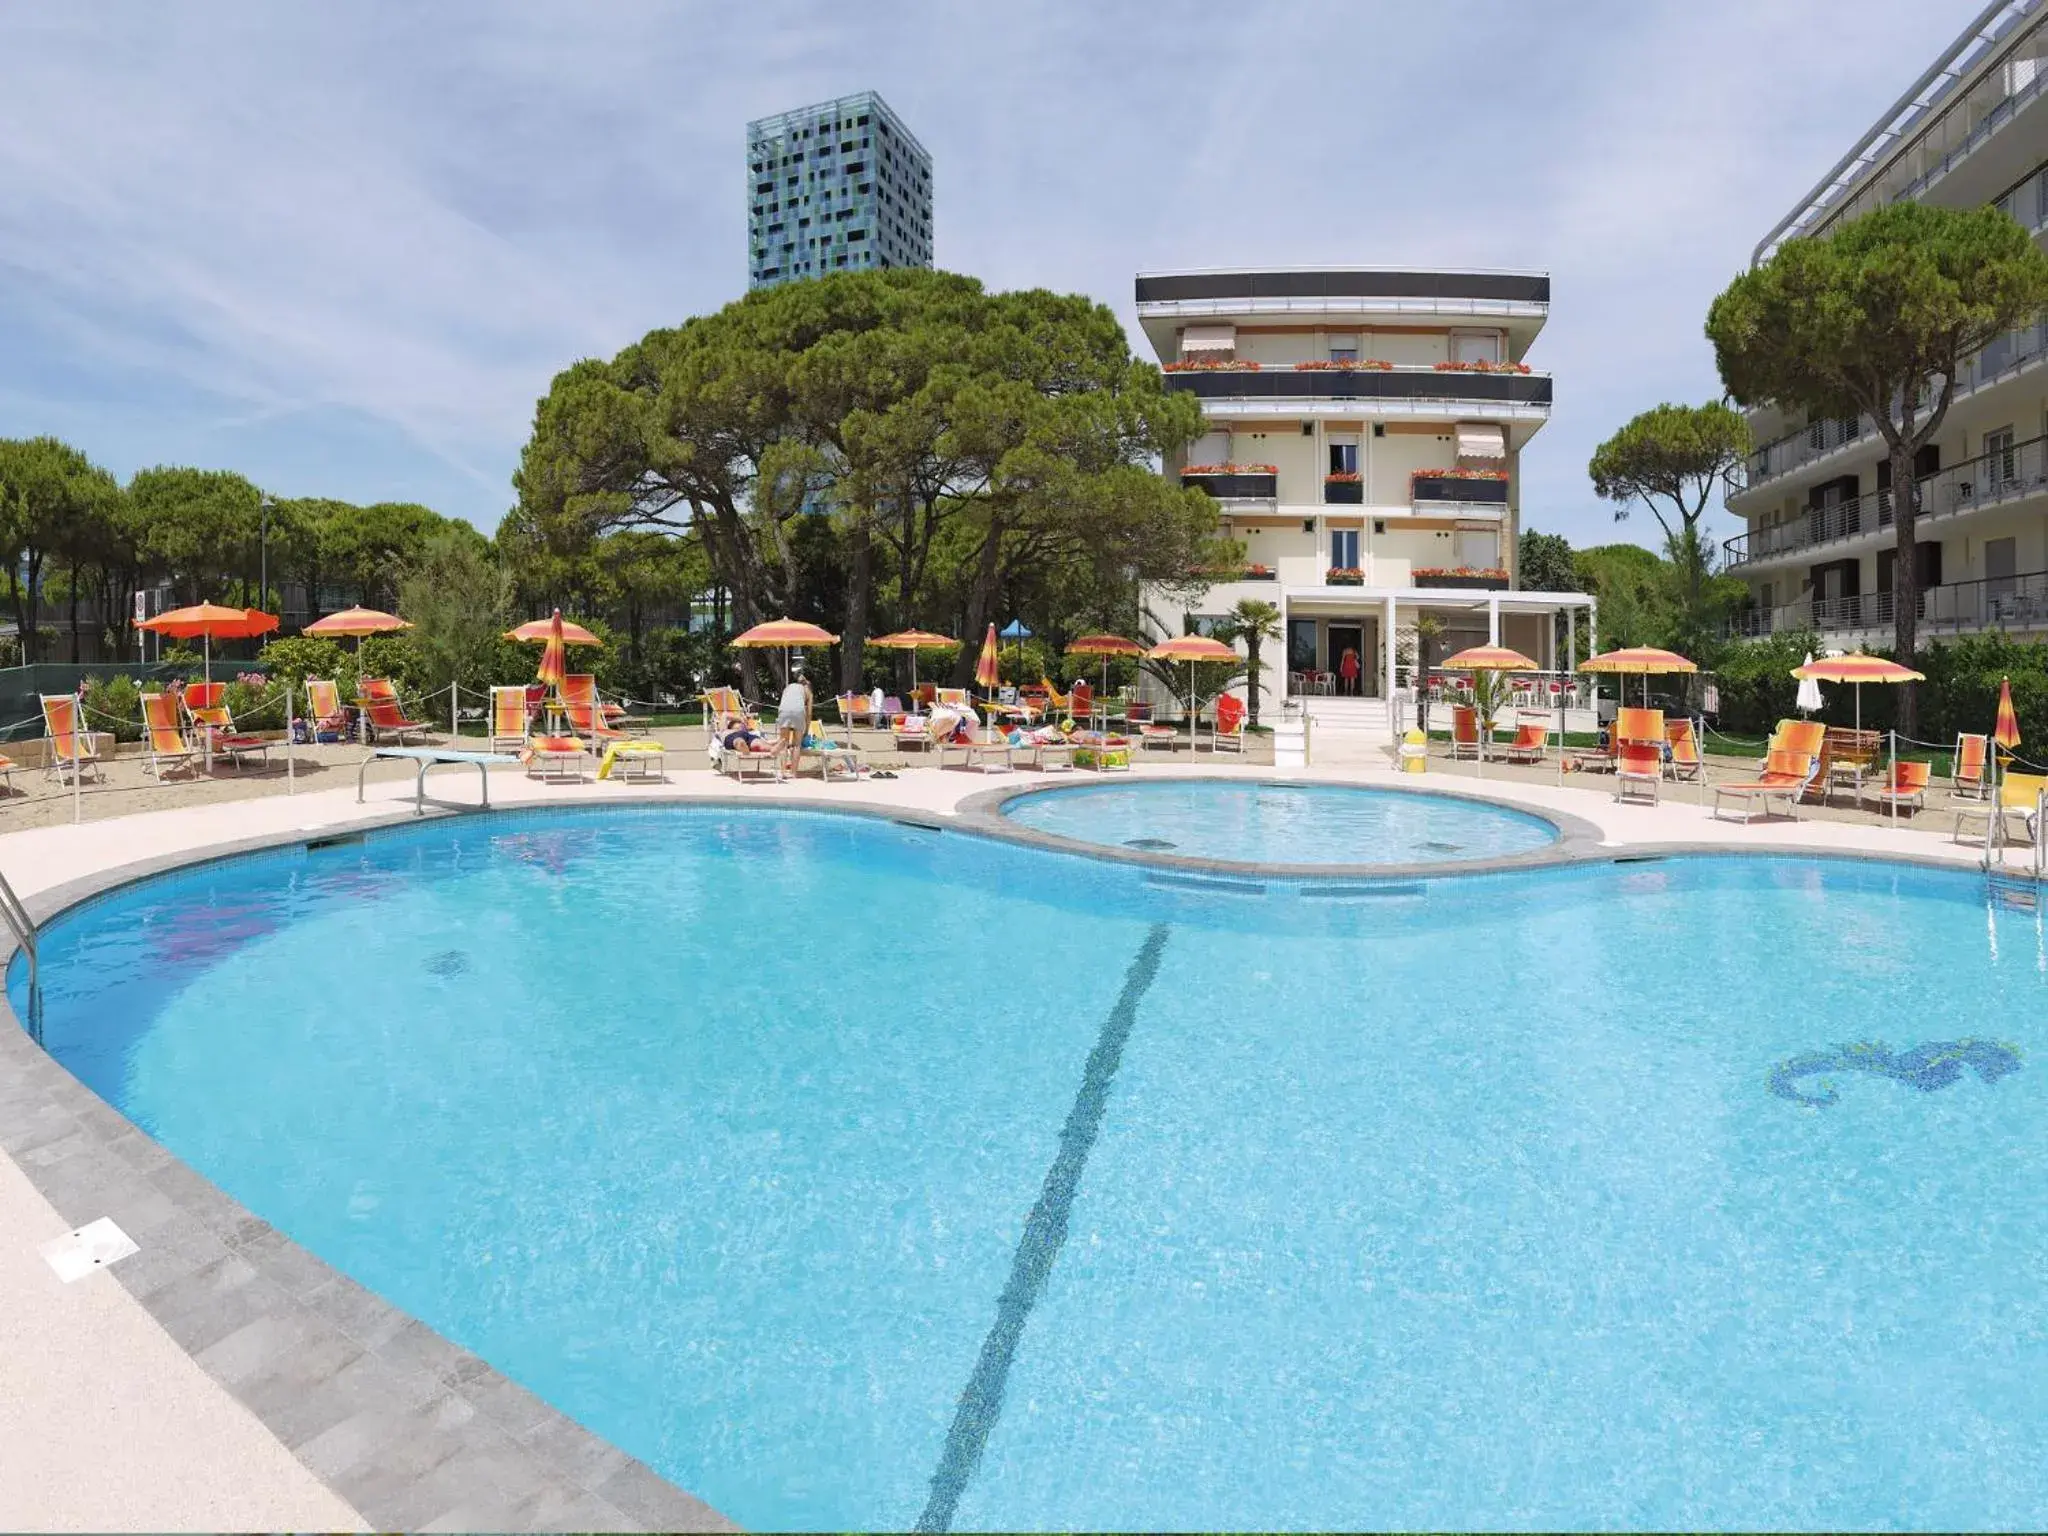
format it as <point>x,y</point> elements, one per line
<point>744,736</point>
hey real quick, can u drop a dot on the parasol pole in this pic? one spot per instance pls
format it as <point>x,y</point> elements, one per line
<point>77,755</point>
<point>291,759</point>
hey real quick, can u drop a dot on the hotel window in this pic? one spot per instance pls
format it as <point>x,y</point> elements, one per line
<point>1343,456</point>
<point>1343,349</point>
<point>2001,466</point>
<point>1344,549</point>
<point>1475,346</point>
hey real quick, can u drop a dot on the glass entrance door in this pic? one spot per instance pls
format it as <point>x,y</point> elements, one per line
<point>1347,656</point>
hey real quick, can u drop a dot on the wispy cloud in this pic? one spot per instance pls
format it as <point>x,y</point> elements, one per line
<point>345,248</point>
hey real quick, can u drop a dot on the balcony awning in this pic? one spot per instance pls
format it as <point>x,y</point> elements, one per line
<point>1208,338</point>
<point>1479,440</point>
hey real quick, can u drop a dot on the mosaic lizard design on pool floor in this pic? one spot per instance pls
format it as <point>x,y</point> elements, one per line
<point>1926,1067</point>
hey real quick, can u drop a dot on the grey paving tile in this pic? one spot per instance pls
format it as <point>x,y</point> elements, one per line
<point>363,1315</point>
<point>170,1251</point>
<point>45,1154</point>
<point>47,1123</point>
<point>211,1303</point>
<point>405,1448</point>
<point>561,1508</point>
<point>201,1198</point>
<point>487,1478</point>
<point>364,1385</point>
<point>139,1151</point>
<point>571,1450</point>
<point>103,1120</point>
<point>284,1261</point>
<point>660,1506</point>
<point>416,1347</point>
<point>503,1401</point>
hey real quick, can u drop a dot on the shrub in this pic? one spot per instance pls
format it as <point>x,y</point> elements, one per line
<point>293,661</point>
<point>114,704</point>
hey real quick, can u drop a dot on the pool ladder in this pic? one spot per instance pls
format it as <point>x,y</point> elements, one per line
<point>23,927</point>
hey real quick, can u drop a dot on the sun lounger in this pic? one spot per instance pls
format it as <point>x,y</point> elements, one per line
<point>1639,770</point>
<point>1905,787</point>
<point>205,705</point>
<point>556,759</point>
<point>69,750</point>
<point>833,754</point>
<point>2019,794</point>
<point>908,731</point>
<point>1967,779</point>
<point>1682,743</point>
<point>587,721</point>
<point>1465,740</point>
<point>328,720</point>
<point>985,749</point>
<point>581,688</point>
<point>508,719</point>
<point>1640,725</point>
<point>1226,734</point>
<point>747,757</point>
<point>1163,737</point>
<point>1530,743</point>
<point>1785,777</point>
<point>639,760</point>
<point>164,741</point>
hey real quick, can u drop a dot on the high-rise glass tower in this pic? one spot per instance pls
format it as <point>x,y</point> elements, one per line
<point>833,188</point>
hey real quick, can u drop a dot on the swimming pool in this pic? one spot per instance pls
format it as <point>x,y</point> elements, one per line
<point>854,1174</point>
<point>1281,823</point>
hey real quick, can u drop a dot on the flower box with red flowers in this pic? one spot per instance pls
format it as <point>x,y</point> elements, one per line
<point>1234,481</point>
<point>1210,365</point>
<point>1481,367</point>
<point>1478,578</point>
<point>1489,486</point>
<point>1344,576</point>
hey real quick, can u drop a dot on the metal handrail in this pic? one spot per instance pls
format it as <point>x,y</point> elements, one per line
<point>23,927</point>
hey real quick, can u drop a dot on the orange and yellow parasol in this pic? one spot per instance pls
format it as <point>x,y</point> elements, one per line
<point>554,656</point>
<point>2006,732</point>
<point>784,635</point>
<point>1191,649</point>
<point>913,641</point>
<point>1644,661</point>
<point>571,632</point>
<point>1859,669</point>
<point>1488,658</point>
<point>1105,646</point>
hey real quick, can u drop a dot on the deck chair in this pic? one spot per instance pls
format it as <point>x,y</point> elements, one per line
<point>386,717</point>
<point>205,705</point>
<point>581,688</point>
<point>1967,779</point>
<point>164,739</point>
<point>1081,701</point>
<point>508,719</point>
<point>1683,744</point>
<point>1226,733</point>
<point>1785,777</point>
<point>329,721</point>
<point>69,750</point>
<point>907,731</point>
<point>1904,787</point>
<point>854,709</point>
<point>833,754</point>
<point>555,759</point>
<point>1532,739</point>
<point>587,720</point>
<point>1465,740</point>
<point>2019,795</point>
<point>985,748</point>
<point>1639,769</point>
<point>1640,725</point>
<point>1055,701</point>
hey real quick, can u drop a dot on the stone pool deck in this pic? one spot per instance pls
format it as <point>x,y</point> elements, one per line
<point>221,1378</point>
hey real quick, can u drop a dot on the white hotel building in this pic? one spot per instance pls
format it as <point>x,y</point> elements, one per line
<point>1819,548</point>
<point>1364,432</point>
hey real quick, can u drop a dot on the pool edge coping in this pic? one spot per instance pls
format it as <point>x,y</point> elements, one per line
<point>112,1167</point>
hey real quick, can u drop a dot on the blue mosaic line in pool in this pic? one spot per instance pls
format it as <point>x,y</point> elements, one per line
<point>850,1173</point>
<point>1281,823</point>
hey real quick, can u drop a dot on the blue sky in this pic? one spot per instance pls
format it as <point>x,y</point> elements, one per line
<point>343,248</point>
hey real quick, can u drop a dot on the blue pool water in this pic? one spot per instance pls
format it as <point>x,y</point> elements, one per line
<point>856,1175</point>
<point>1281,823</point>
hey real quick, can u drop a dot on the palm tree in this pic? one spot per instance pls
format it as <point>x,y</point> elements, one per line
<point>1254,622</point>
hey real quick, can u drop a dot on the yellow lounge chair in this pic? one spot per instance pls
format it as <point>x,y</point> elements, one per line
<point>2019,794</point>
<point>164,740</point>
<point>1785,777</point>
<point>1966,776</point>
<point>324,713</point>
<point>70,751</point>
<point>508,719</point>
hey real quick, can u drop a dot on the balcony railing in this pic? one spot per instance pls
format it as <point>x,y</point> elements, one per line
<point>1363,384</point>
<point>1990,479</point>
<point>1234,485</point>
<point>1991,602</point>
<point>1483,489</point>
<point>1344,493</point>
<point>2006,355</point>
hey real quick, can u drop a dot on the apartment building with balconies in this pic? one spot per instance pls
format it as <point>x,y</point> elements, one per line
<point>1819,550</point>
<point>1363,433</point>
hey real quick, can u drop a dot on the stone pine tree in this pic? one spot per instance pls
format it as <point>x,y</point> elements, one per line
<point>1673,459</point>
<point>1878,319</point>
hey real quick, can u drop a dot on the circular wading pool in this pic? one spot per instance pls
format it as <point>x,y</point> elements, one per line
<point>1286,824</point>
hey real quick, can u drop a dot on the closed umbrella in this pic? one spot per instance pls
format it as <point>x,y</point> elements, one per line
<point>988,667</point>
<point>1191,649</point>
<point>1808,699</point>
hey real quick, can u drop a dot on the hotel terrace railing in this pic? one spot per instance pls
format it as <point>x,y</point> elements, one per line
<point>1285,381</point>
<point>1990,479</point>
<point>1992,602</point>
<point>2008,355</point>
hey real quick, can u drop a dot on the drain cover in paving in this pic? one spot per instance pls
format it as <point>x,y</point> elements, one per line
<point>91,1247</point>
